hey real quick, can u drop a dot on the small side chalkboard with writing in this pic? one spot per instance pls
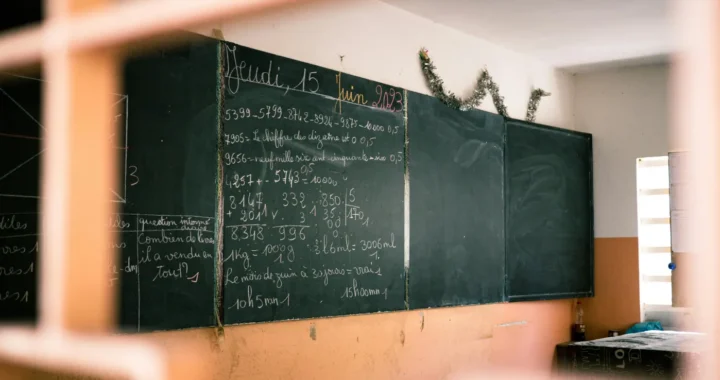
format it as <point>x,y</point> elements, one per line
<point>167,225</point>
<point>167,122</point>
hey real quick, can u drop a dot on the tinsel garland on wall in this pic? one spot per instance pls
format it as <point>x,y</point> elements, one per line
<point>533,103</point>
<point>484,84</point>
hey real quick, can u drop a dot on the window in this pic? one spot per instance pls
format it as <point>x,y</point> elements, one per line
<point>653,200</point>
<point>659,179</point>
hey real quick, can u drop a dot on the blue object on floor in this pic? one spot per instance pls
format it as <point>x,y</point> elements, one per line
<point>644,326</point>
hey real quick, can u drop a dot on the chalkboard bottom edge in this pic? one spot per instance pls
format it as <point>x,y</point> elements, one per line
<point>550,296</point>
<point>226,323</point>
<point>455,305</point>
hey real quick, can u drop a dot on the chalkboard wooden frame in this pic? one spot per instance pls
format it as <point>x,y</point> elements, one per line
<point>591,226</point>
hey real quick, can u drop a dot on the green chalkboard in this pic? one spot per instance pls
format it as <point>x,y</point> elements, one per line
<point>313,191</point>
<point>20,154</point>
<point>169,191</point>
<point>255,188</point>
<point>20,133</point>
<point>549,206</point>
<point>457,241</point>
<point>167,147</point>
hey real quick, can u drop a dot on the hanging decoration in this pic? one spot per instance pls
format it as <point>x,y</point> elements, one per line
<point>533,103</point>
<point>484,84</point>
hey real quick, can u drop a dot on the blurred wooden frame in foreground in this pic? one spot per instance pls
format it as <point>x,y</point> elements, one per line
<point>695,127</point>
<point>78,45</point>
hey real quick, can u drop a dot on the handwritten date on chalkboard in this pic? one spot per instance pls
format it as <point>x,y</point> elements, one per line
<point>243,66</point>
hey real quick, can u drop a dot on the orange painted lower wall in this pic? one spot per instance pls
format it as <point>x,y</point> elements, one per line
<point>428,344</point>
<point>448,343</point>
<point>616,305</point>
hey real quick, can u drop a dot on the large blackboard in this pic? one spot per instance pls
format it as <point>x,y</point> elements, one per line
<point>549,231</point>
<point>258,188</point>
<point>313,191</point>
<point>457,241</point>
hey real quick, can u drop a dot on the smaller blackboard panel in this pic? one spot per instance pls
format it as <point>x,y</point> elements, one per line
<point>549,231</point>
<point>171,129</point>
<point>169,187</point>
<point>457,249</point>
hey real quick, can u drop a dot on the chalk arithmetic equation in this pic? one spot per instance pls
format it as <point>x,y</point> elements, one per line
<point>313,206</point>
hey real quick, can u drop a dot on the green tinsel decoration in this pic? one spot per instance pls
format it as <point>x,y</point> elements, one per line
<point>484,84</point>
<point>498,100</point>
<point>533,103</point>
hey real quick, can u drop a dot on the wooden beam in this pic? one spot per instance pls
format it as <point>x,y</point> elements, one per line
<point>111,26</point>
<point>78,171</point>
<point>695,81</point>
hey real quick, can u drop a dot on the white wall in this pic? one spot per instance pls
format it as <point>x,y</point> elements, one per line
<point>626,110</point>
<point>381,42</point>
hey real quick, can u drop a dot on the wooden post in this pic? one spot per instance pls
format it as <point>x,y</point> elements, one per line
<point>696,95</point>
<point>77,178</point>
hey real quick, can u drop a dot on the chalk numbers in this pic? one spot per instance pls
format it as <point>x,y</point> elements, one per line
<point>390,100</point>
<point>237,113</point>
<point>308,82</point>
<point>132,173</point>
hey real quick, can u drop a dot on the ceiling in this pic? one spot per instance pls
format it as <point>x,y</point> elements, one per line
<point>570,34</point>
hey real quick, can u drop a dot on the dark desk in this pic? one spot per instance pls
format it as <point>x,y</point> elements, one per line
<point>651,354</point>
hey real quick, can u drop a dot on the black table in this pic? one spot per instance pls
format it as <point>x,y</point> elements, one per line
<point>650,354</point>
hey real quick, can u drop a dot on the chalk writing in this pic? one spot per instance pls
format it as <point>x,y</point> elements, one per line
<point>259,301</point>
<point>355,291</point>
<point>19,250</point>
<point>313,188</point>
<point>12,223</point>
<point>17,271</point>
<point>389,99</point>
<point>176,249</point>
<point>240,68</point>
<point>275,112</point>
<point>14,296</point>
<point>345,94</point>
<point>298,213</point>
<point>238,71</point>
